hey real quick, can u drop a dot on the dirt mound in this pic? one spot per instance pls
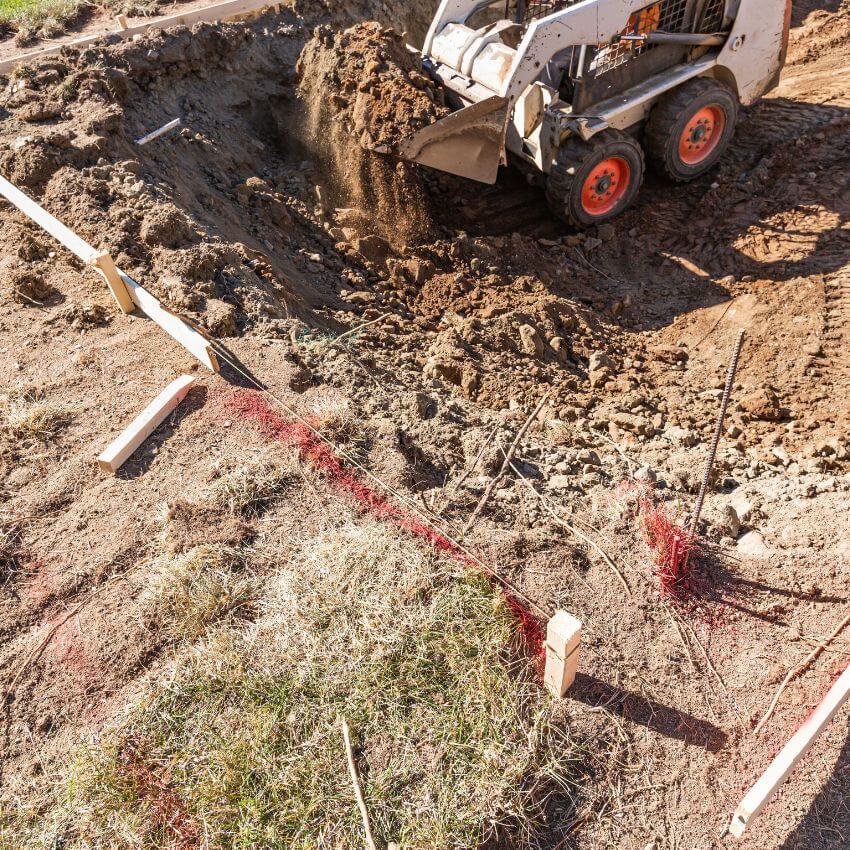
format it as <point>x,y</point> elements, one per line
<point>365,92</point>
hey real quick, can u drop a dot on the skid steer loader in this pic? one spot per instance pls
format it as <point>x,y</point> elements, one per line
<point>582,92</point>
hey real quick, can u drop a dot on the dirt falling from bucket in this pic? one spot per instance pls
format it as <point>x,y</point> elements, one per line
<point>364,91</point>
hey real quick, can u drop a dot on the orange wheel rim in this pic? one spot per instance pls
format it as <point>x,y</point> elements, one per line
<point>605,186</point>
<point>702,135</point>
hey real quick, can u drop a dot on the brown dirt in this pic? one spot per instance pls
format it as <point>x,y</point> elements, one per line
<point>630,327</point>
<point>365,92</point>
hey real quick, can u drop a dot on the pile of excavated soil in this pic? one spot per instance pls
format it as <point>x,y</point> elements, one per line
<point>365,92</point>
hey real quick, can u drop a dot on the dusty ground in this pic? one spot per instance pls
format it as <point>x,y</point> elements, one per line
<point>231,221</point>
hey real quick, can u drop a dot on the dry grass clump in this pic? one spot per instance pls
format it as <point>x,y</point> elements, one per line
<point>28,422</point>
<point>454,737</point>
<point>10,543</point>
<point>200,588</point>
<point>250,489</point>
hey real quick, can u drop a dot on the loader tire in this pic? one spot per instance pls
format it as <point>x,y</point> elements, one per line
<point>594,181</point>
<point>690,128</point>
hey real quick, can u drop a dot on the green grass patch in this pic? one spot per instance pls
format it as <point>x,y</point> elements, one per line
<point>242,747</point>
<point>39,18</point>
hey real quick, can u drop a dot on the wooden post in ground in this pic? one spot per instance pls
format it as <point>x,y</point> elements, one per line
<point>104,263</point>
<point>563,638</point>
<point>769,782</point>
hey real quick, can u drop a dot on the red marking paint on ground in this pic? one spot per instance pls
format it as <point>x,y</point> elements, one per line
<point>318,454</point>
<point>168,811</point>
<point>674,551</point>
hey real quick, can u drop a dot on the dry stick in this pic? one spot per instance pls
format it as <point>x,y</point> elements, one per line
<point>355,781</point>
<point>505,464</point>
<point>564,524</point>
<point>795,671</point>
<point>353,331</point>
<point>712,452</point>
<point>470,470</point>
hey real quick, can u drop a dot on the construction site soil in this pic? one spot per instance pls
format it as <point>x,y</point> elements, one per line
<point>431,315</point>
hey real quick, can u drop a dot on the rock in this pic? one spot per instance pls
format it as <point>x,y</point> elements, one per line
<point>599,360</point>
<point>646,473</point>
<point>752,544</point>
<point>742,506</point>
<point>559,345</point>
<point>599,377</point>
<point>762,403</point>
<point>560,482</point>
<point>219,318</point>
<point>530,341</point>
<point>630,422</point>
<point>668,353</point>
<point>724,521</point>
<point>606,232</point>
<point>373,248</point>
<point>681,436</point>
<point>813,349</point>
<point>588,456</point>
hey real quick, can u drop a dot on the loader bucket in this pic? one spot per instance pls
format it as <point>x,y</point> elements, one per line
<point>469,142</point>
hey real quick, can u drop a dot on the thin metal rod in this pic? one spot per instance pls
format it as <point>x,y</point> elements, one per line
<point>712,452</point>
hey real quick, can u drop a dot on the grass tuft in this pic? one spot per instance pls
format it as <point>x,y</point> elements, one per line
<point>39,18</point>
<point>249,490</point>
<point>26,420</point>
<point>454,738</point>
<point>201,588</point>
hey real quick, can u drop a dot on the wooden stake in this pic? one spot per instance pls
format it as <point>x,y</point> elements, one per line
<point>563,638</point>
<point>172,324</point>
<point>122,21</point>
<point>789,755</point>
<point>104,263</point>
<point>160,131</point>
<point>117,452</point>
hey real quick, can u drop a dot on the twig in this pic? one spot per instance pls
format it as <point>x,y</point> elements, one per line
<point>353,331</point>
<point>27,298</point>
<point>506,463</point>
<point>468,472</point>
<point>795,671</point>
<point>719,320</point>
<point>355,781</point>
<point>581,536</point>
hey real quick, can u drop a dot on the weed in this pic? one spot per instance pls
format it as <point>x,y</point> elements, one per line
<point>40,18</point>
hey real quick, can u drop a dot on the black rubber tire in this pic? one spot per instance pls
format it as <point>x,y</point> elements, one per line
<point>573,164</point>
<point>669,117</point>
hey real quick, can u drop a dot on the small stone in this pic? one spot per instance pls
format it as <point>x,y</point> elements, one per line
<point>646,473</point>
<point>752,544</point>
<point>560,482</point>
<point>530,341</point>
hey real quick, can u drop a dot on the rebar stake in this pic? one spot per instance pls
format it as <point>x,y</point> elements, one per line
<point>724,403</point>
